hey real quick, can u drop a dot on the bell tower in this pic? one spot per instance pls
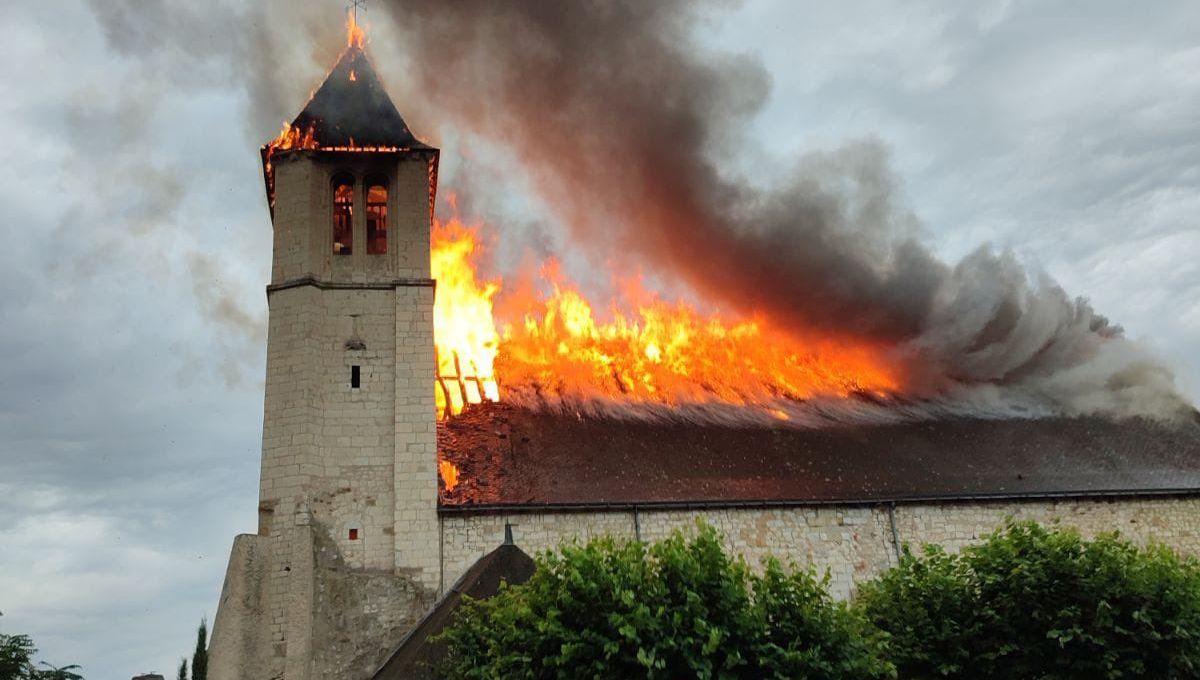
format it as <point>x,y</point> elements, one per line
<point>346,553</point>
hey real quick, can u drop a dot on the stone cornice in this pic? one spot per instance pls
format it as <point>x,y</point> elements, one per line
<point>350,285</point>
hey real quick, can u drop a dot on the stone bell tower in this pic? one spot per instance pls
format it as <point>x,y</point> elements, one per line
<point>346,554</point>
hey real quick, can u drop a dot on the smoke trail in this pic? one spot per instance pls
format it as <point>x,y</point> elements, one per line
<point>624,125</point>
<point>622,121</point>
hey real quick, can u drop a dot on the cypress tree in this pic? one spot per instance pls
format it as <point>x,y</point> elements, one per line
<point>183,669</point>
<point>200,656</point>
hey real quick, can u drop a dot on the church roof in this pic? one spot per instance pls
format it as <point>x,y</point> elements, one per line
<point>352,108</point>
<point>509,458</point>
<point>417,655</point>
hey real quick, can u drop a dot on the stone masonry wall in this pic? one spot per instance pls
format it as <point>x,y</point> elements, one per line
<point>415,483</point>
<point>853,542</point>
<point>346,556</point>
<point>359,615</point>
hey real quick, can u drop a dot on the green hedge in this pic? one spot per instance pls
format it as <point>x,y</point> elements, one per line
<point>1027,603</point>
<point>1034,603</point>
<point>680,608</point>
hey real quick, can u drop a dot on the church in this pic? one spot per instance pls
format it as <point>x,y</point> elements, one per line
<point>359,539</point>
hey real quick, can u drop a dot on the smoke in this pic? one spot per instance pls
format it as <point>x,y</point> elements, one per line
<point>134,179</point>
<point>631,133</point>
<point>626,125</point>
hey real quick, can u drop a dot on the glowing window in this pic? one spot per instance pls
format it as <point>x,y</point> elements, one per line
<point>377,210</point>
<point>343,216</point>
<point>354,534</point>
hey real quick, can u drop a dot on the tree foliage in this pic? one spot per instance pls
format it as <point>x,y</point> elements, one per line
<point>200,655</point>
<point>678,608</point>
<point>57,672</point>
<point>16,652</point>
<point>1035,603</point>
<point>16,662</point>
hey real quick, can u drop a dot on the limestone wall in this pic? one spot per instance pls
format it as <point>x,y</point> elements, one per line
<point>853,542</point>
<point>303,218</point>
<point>415,445</point>
<point>346,556</point>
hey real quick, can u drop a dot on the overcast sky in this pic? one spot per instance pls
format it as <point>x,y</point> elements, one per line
<point>137,242</point>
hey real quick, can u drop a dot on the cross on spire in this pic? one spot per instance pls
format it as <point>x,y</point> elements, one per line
<point>355,5</point>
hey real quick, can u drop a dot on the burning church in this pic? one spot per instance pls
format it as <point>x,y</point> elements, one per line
<point>405,434</point>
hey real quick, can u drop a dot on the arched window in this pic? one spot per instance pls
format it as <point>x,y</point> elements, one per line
<point>343,215</point>
<point>377,212</point>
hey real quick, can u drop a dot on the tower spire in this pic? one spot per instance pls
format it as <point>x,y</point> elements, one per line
<point>355,5</point>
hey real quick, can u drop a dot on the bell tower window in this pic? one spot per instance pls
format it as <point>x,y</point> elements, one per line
<point>343,215</point>
<point>377,213</point>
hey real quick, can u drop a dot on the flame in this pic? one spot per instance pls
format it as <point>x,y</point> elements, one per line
<point>647,350</point>
<point>293,137</point>
<point>466,339</point>
<point>355,35</point>
<point>449,473</point>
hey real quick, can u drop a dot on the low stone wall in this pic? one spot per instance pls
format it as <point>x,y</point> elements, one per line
<point>853,542</point>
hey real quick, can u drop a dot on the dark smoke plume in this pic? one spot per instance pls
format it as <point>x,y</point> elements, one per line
<point>627,128</point>
<point>623,124</point>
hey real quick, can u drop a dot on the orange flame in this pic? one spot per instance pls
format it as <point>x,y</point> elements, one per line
<point>355,35</point>
<point>449,473</point>
<point>466,338</point>
<point>648,351</point>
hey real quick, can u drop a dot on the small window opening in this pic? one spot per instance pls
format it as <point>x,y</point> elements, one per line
<point>355,377</point>
<point>343,217</point>
<point>354,534</point>
<point>377,209</point>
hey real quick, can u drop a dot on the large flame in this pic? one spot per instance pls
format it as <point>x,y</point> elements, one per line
<point>355,35</point>
<point>645,351</point>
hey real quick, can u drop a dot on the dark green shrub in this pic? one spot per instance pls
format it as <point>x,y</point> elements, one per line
<point>1034,603</point>
<point>677,609</point>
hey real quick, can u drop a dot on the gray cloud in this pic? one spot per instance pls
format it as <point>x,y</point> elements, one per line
<point>137,241</point>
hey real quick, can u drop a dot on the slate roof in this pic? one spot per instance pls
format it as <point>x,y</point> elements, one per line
<point>513,458</point>
<point>416,656</point>
<point>345,112</point>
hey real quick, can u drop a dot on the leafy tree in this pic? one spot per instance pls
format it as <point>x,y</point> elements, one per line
<point>200,656</point>
<point>1035,603</point>
<point>57,673</point>
<point>678,608</point>
<point>15,654</point>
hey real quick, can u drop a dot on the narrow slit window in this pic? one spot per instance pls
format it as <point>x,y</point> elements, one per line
<point>355,377</point>
<point>377,214</point>
<point>343,217</point>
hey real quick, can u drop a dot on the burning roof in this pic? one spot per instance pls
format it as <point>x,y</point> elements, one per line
<point>510,457</point>
<point>352,109</point>
<point>350,112</point>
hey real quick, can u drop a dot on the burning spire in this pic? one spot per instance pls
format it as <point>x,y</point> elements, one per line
<point>351,111</point>
<point>355,35</point>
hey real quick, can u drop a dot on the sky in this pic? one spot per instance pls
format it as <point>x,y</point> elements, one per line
<point>132,320</point>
